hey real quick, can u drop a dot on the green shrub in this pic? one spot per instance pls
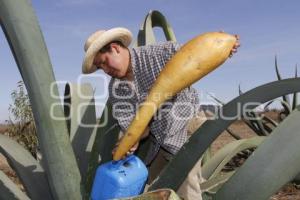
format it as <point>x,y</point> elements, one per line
<point>22,127</point>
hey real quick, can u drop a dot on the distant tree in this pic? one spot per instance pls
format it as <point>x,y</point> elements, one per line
<point>22,127</point>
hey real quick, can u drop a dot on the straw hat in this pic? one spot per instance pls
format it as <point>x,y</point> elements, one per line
<point>98,40</point>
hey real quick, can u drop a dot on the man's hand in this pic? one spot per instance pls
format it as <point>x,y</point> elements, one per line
<point>236,46</point>
<point>131,151</point>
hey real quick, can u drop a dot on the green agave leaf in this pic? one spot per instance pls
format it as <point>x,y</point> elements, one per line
<point>240,91</point>
<point>216,99</point>
<point>285,105</point>
<point>264,172</point>
<point>254,122</point>
<point>214,166</point>
<point>234,135</point>
<point>277,70</point>
<point>146,34</point>
<point>295,95</point>
<point>287,108</point>
<point>269,120</point>
<point>252,126</point>
<point>105,140</point>
<point>229,131</point>
<point>212,185</point>
<point>268,104</point>
<point>257,121</point>
<point>27,168</point>
<point>207,155</point>
<point>260,124</point>
<point>265,122</point>
<point>9,190</point>
<point>284,97</point>
<point>79,108</point>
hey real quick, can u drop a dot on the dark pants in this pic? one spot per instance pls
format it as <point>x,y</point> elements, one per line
<point>160,161</point>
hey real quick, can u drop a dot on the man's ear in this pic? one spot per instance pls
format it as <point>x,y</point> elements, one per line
<point>116,47</point>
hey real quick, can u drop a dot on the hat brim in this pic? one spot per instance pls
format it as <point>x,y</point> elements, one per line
<point>116,34</point>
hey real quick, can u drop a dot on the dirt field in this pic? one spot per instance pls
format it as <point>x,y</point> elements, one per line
<point>3,128</point>
<point>289,192</point>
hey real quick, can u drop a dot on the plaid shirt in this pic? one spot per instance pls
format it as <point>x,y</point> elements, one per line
<point>169,125</point>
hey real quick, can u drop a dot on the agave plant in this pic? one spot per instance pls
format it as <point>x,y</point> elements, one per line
<point>263,125</point>
<point>260,124</point>
<point>72,149</point>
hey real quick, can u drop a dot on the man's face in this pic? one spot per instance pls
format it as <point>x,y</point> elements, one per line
<point>113,62</point>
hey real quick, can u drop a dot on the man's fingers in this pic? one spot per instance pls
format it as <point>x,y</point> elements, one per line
<point>237,37</point>
<point>131,151</point>
<point>237,45</point>
<point>133,148</point>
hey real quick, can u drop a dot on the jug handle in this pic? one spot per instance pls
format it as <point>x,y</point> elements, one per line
<point>117,164</point>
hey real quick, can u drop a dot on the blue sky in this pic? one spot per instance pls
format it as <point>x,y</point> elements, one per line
<point>266,28</point>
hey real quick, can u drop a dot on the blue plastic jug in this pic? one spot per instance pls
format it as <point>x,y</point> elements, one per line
<point>117,179</point>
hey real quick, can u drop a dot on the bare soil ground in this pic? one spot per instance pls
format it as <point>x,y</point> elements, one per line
<point>3,128</point>
<point>288,192</point>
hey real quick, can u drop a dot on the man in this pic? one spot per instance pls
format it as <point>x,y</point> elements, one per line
<point>133,72</point>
